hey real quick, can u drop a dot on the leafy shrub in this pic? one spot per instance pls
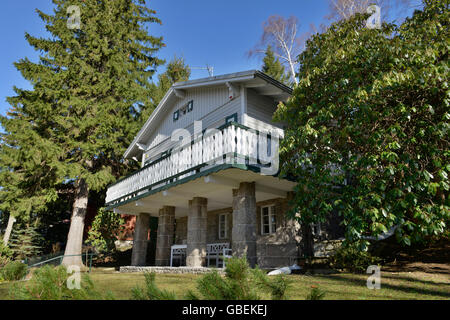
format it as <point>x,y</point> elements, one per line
<point>105,228</point>
<point>50,283</point>
<point>239,283</point>
<point>352,259</point>
<point>5,251</point>
<point>6,255</point>
<point>14,270</point>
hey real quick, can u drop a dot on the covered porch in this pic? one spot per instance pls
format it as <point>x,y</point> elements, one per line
<point>231,207</point>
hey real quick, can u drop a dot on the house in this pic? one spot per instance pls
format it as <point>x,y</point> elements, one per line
<point>209,175</point>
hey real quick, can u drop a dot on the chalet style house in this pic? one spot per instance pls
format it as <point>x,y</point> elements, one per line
<point>209,176</point>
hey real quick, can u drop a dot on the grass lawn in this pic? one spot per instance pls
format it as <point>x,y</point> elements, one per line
<point>398,285</point>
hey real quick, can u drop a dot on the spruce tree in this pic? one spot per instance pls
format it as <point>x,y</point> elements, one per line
<point>26,242</point>
<point>177,70</point>
<point>273,67</point>
<point>89,89</point>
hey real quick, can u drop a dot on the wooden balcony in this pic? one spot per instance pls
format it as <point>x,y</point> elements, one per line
<point>232,145</point>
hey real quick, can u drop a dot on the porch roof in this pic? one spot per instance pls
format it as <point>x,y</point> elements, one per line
<point>215,184</point>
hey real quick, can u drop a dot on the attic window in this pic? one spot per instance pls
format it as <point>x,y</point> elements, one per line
<point>183,110</point>
<point>176,115</point>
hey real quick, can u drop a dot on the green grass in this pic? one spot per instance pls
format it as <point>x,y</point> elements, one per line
<point>399,285</point>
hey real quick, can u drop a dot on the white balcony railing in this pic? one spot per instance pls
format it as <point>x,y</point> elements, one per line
<point>232,144</point>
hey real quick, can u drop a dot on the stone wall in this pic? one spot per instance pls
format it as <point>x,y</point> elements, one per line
<point>181,230</point>
<point>280,248</point>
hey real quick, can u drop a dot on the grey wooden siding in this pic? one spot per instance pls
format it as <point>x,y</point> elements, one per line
<point>211,106</point>
<point>260,107</point>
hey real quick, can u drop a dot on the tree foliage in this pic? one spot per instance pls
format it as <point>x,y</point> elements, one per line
<point>89,89</point>
<point>273,67</point>
<point>105,229</point>
<point>367,130</point>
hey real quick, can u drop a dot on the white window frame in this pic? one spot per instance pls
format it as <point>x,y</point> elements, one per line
<point>317,225</point>
<point>271,212</point>
<point>225,226</point>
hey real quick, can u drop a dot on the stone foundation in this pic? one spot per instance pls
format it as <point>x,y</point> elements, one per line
<point>175,270</point>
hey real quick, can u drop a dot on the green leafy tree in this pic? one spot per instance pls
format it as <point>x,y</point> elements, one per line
<point>89,89</point>
<point>273,67</point>
<point>367,130</point>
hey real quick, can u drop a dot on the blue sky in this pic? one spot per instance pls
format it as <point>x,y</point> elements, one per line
<point>218,33</point>
<point>212,32</point>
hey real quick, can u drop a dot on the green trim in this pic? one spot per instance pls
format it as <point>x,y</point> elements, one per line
<point>233,118</point>
<point>197,168</point>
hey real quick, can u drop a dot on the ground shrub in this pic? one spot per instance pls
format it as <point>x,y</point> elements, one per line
<point>352,259</point>
<point>13,271</point>
<point>51,283</point>
<point>239,283</point>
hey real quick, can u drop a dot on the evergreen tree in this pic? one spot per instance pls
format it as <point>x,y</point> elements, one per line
<point>90,88</point>
<point>26,242</point>
<point>177,70</point>
<point>273,67</point>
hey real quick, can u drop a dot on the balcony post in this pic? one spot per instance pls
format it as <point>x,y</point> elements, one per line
<point>165,235</point>
<point>196,233</point>
<point>244,222</point>
<point>140,240</point>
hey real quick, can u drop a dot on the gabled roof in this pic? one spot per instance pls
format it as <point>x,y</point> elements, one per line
<point>257,80</point>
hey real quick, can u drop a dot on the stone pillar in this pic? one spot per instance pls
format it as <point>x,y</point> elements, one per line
<point>164,241</point>
<point>140,240</point>
<point>196,232</point>
<point>244,222</point>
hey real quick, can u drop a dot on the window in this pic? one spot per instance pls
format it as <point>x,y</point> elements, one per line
<point>190,106</point>
<point>316,229</point>
<point>176,115</point>
<point>183,110</point>
<point>232,118</point>
<point>268,220</point>
<point>223,226</point>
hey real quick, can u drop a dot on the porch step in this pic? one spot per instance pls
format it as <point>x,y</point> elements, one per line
<point>176,270</point>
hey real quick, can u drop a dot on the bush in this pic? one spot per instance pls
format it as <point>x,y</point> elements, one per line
<point>6,255</point>
<point>239,283</point>
<point>316,294</point>
<point>352,259</point>
<point>13,271</point>
<point>151,291</point>
<point>105,228</point>
<point>49,283</point>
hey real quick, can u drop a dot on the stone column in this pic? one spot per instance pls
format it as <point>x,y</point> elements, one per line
<point>140,241</point>
<point>196,232</point>
<point>164,241</point>
<point>244,222</point>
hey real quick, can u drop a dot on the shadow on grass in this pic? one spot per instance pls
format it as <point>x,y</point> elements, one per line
<point>384,285</point>
<point>413,280</point>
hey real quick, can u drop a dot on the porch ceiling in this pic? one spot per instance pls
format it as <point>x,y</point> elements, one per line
<point>217,188</point>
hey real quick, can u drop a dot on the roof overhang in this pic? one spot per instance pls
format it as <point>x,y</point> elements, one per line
<point>253,79</point>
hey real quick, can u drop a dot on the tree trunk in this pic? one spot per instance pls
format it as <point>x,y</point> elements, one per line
<point>308,242</point>
<point>8,231</point>
<point>75,237</point>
